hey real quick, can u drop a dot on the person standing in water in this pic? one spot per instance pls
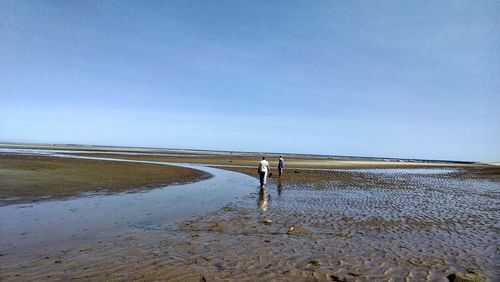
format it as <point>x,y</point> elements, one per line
<point>281,165</point>
<point>263,171</point>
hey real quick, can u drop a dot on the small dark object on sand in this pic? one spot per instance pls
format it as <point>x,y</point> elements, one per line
<point>469,276</point>
<point>296,171</point>
<point>270,174</point>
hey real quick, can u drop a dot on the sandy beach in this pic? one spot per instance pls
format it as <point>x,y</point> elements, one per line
<point>316,223</point>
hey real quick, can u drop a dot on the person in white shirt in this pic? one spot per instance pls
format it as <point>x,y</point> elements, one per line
<point>263,171</point>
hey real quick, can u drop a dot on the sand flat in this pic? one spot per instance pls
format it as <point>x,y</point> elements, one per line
<point>290,162</point>
<point>25,178</point>
<point>372,223</point>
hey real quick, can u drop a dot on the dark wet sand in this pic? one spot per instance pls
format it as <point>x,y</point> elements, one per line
<point>310,225</point>
<point>25,178</point>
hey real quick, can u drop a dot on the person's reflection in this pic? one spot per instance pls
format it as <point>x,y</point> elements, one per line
<point>262,202</point>
<point>279,186</point>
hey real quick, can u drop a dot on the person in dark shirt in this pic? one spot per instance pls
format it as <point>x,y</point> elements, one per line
<point>281,165</point>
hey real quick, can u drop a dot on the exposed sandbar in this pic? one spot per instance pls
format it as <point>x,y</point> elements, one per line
<point>25,178</point>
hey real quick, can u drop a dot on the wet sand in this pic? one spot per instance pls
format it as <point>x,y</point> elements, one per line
<point>394,224</point>
<point>25,178</point>
<point>50,229</point>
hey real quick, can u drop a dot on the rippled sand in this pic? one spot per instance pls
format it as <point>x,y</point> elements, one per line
<point>348,225</point>
<point>395,224</point>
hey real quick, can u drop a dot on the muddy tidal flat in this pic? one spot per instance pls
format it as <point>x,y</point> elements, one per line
<point>418,222</point>
<point>28,178</point>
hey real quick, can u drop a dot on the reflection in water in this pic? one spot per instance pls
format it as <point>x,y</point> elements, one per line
<point>279,186</point>
<point>263,199</point>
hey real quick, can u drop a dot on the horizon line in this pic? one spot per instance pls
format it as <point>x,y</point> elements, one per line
<point>244,152</point>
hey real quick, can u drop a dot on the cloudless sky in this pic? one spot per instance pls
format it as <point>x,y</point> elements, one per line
<point>411,79</point>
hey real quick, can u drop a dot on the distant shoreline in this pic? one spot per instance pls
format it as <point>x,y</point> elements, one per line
<point>100,148</point>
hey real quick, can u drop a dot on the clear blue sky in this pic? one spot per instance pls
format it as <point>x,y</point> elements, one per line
<point>415,79</point>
